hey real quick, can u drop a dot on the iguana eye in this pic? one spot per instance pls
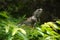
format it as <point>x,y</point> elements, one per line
<point>40,9</point>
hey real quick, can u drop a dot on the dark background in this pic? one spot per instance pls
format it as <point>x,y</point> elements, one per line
<point>18,8</point>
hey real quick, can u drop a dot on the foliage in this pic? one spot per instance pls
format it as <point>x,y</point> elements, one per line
<point>9,30</point>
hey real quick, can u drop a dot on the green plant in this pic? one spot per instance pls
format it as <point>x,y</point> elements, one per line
<point>9,30</point>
